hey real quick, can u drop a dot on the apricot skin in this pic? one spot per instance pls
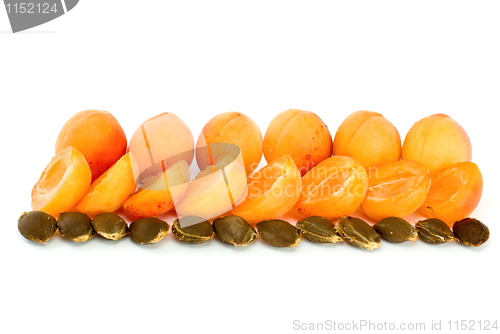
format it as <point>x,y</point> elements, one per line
<point>164,137</point>
<point>437,141</point>
<point>369,138</point>
<point>97,135</point>
<point>300,134</point>
<point>454,194</point>
<point>234,128</point>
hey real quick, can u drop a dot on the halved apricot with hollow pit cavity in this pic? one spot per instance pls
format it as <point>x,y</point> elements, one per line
<point>334,188</point>
<point>63,183</point>
<point>272,191</point>
<point>396,189</point>
<point>454,194</point>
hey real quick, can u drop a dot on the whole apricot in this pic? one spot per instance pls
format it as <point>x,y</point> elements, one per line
<point>437,141</point>
<point>369,138</point>
<point>97,135</point>
<point>164,137</point>
<point>300,134</point>
<point>234,128</point>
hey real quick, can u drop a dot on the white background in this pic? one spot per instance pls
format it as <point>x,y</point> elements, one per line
<point>197,59</point>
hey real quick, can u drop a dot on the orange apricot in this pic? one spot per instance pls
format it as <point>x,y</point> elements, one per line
<point>454,193</point>
<point>396,190</point>
<point>234,128</point>
<point>300,134</point>
<point>63,183</point>
<point>164,137</point>
<point>110,190</point>
<point>158,194</point>
<point>334,188</point>
<point>97,135</point>
<point>437,141</point>
<point>272,191</point>
<point>369,138</point>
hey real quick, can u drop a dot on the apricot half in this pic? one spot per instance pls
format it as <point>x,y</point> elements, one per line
<point>110,190</point>
<point>215,190</point>
<point>272,191</point>
<point>437,141</point>
<point>62,184</point>
<point>233,128</point>
<point>369,138</point>
<point>159,193</point>
<point>334,188</point>
<point>454,193</point>
<point>300,134</point>
<point>97,135</point>
<point>396,190</point>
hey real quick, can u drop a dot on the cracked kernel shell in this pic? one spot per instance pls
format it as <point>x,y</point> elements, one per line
<point>196,233</point>
<point>318,229</point>
<point>434,231</point>
<point>358,233</point>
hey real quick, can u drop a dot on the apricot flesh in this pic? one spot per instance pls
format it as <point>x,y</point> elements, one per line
<point>369,138</point>
<point>300,134</point>
<point>97,135</point>
<point>233,128</point>
<point>454,194</point>
<point>272,191</point>
<point>334,188</point>
<point>396,190</point>
<point>62,184</point>
<point>437,141</point>
<point>110,190</point>
<point>159,195</point>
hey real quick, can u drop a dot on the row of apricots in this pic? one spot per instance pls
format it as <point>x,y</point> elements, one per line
<point>96,170</point>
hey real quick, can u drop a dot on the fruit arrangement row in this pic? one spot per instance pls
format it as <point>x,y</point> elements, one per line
<point>39,226</point>
<point>95,170</point>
